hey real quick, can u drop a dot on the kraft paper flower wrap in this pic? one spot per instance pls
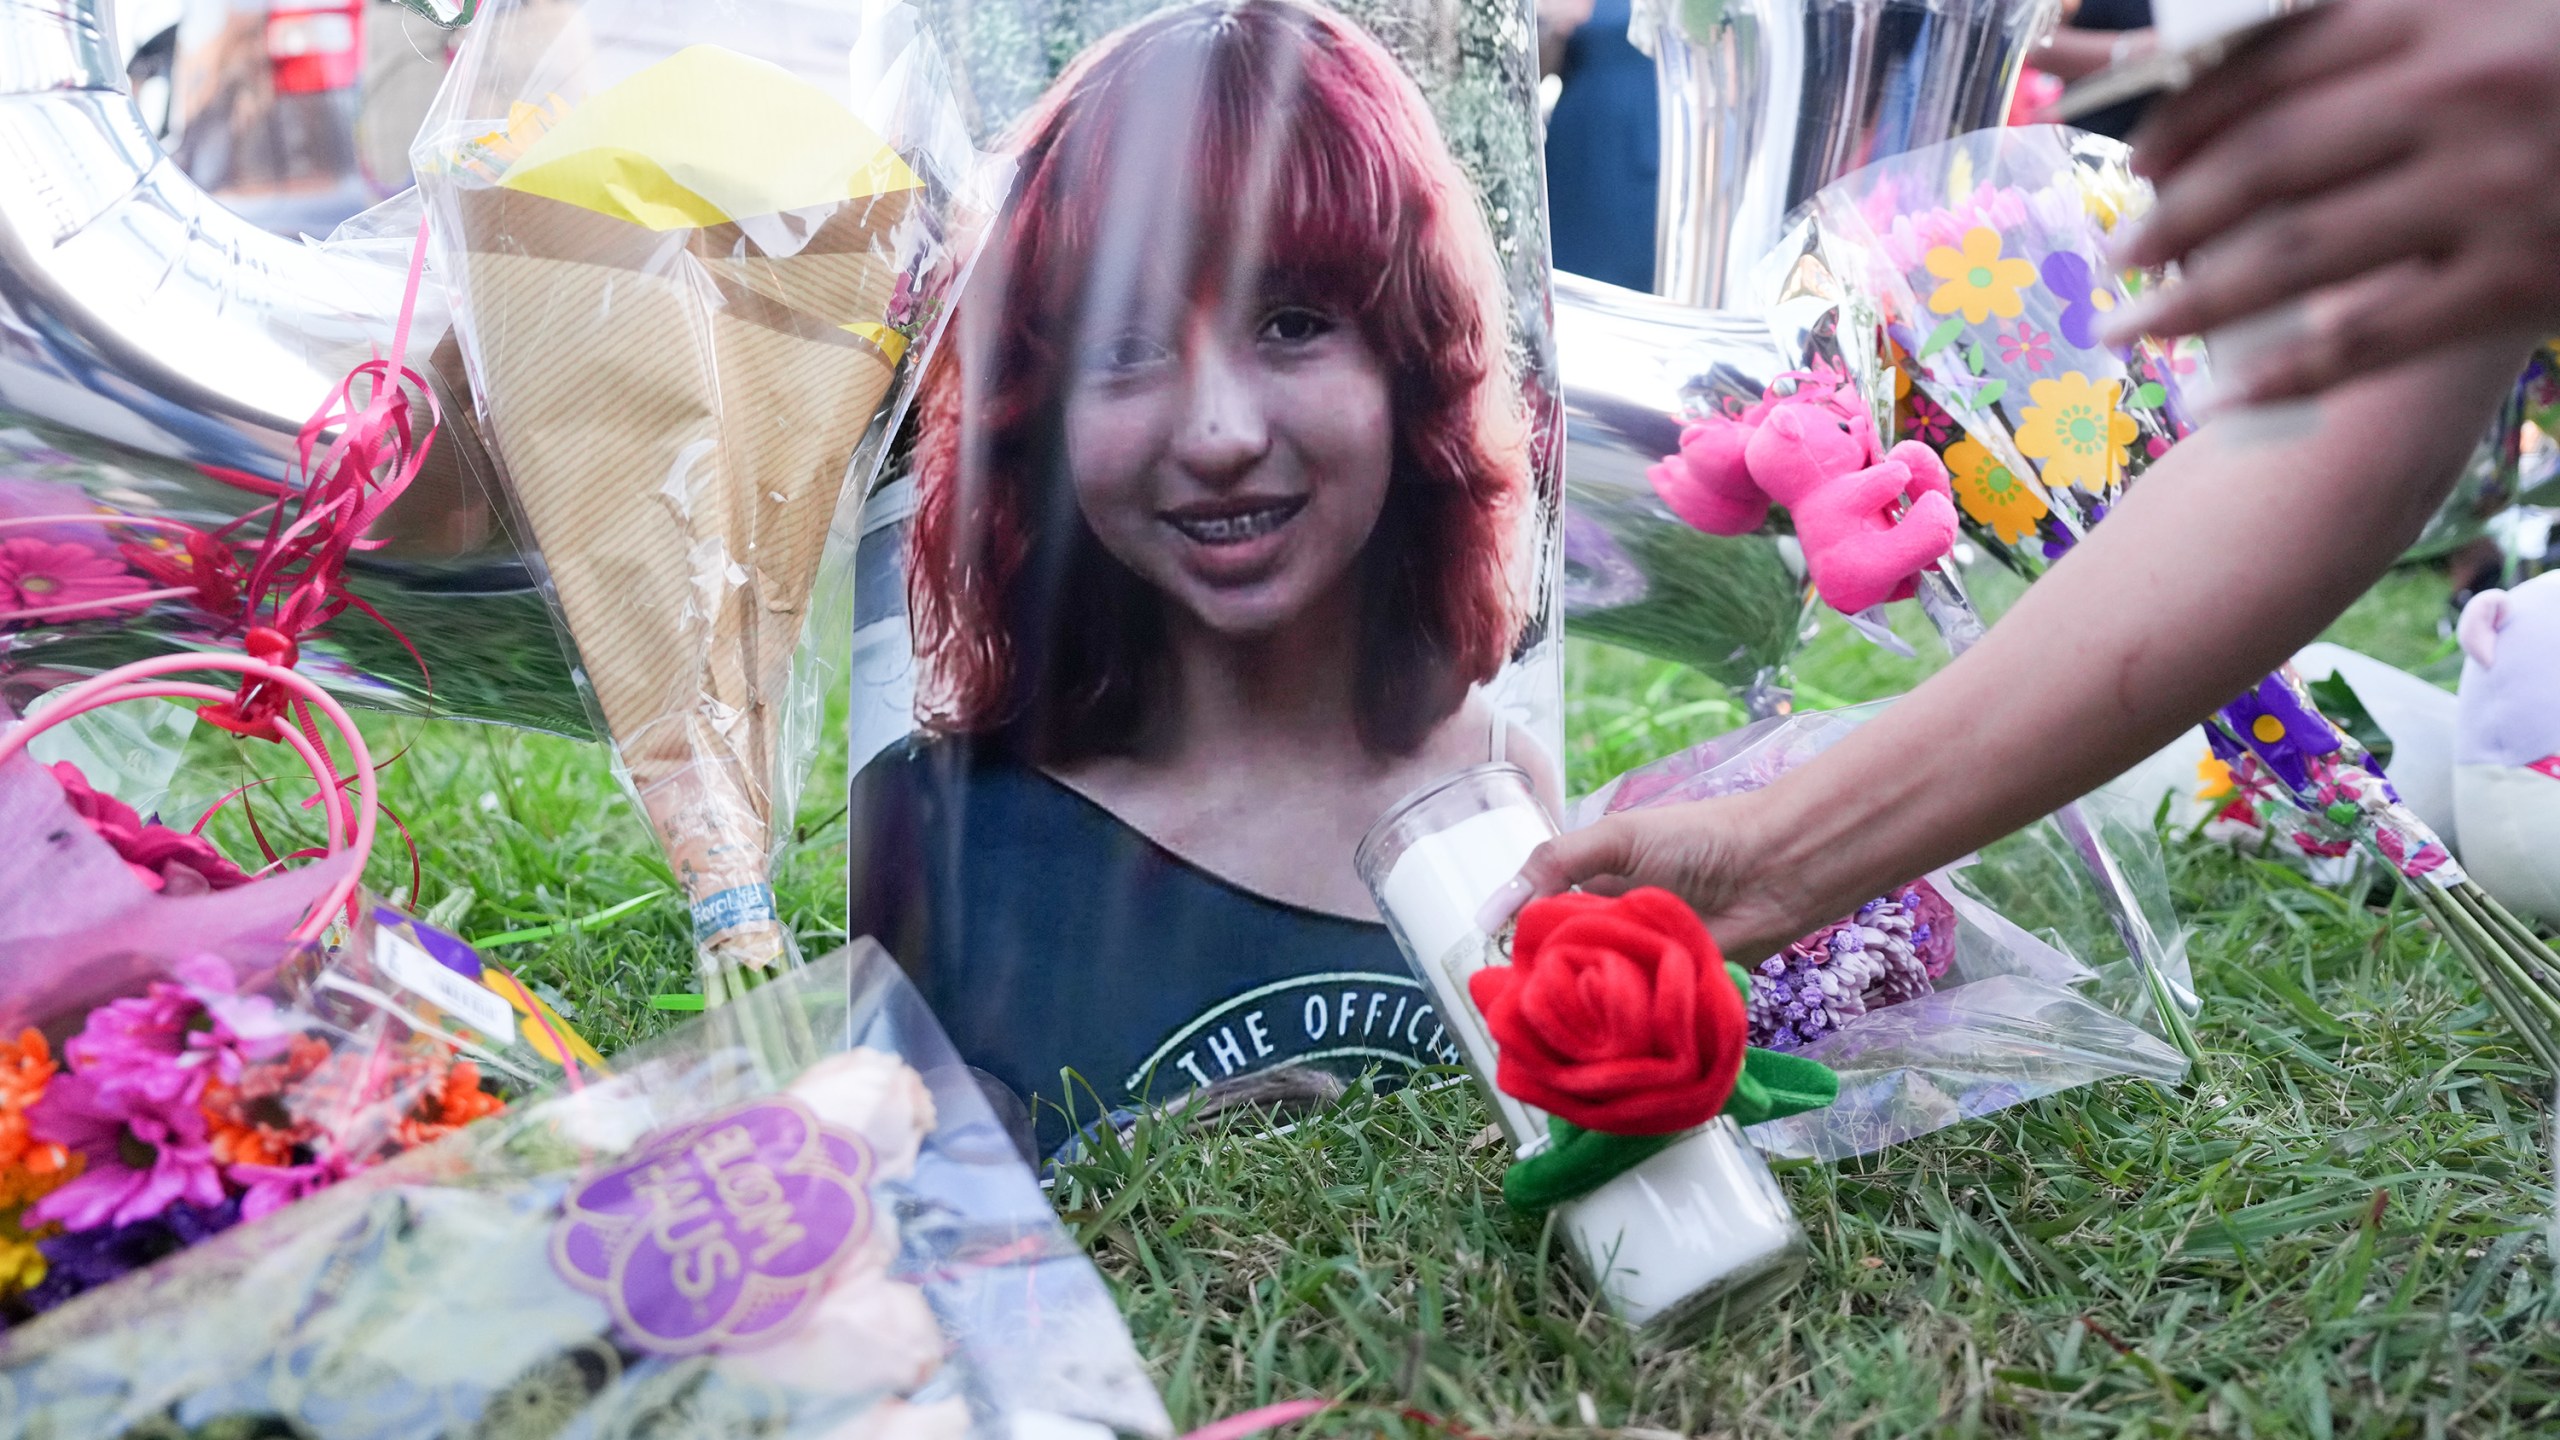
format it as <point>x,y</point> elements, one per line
<point>680,334</point>
<point>1622,1020</point>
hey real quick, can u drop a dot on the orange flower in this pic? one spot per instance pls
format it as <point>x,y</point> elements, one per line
<point>29,1168</point>
<point>243,1128</point>
<point>448,1106</point>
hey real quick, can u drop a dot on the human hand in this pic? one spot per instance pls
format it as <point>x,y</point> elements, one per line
<point>1710,853</point>
<point>2362,136</point>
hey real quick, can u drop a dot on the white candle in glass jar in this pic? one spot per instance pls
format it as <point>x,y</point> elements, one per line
<point>1698,1226</point>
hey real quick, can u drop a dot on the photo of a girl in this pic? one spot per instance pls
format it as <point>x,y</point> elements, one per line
<point>1224,502</point>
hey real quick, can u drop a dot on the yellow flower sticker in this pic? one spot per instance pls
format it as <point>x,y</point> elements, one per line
<point>1978,280</point>
<point>1992,494</point>
<point>2075,428</point>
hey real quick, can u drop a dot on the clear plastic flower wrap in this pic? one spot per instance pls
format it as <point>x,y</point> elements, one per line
<point>176,1062</point>
<point>697,259</point>
<point>794,1216</point>
<point>1964,288</point>
<point>2038,996</point>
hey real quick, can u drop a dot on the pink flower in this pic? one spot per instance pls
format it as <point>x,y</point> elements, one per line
<point>1908,238</point>
<point>142,1154</point>
<point>140,1044</point>
<point>40,574</point>
<point>2027,346</point>
<point>272,1187</point>
<point>236,1029</point>
<point>1930,425</point>
<point>171,861</point>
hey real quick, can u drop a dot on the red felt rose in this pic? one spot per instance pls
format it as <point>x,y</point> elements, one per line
<point>1616,1015</point>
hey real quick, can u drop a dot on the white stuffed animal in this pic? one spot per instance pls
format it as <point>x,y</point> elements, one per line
<point>2506,778</point>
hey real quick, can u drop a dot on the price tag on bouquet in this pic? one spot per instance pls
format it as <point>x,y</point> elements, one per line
<point>436,984</point>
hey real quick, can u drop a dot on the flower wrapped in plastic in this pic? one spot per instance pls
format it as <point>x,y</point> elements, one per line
<point>795,1216</point>
<point>181,1060</point>
<point>1985,985</point>
<point>689,343</point>
<point>1973,274</point>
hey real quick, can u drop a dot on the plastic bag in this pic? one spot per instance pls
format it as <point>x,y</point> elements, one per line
<point>2041,996</point>
<point>697,258</point>
<point>795,1216</point>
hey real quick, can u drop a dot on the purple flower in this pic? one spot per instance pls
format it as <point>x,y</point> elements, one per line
<point>2069,276</point>
<point>1598,574</point>
<point>1885,954</point>
<point>2282,730</point>
<point>84,1261</point>
<point>143,1152</point>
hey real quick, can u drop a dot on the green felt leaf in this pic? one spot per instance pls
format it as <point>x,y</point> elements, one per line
<point>1989,395</point>
<point>1575,1163</point>
<point>1975,360</point>
<point>1942,337</point>
<point>1775,1085</point>
<point>2152,395</point>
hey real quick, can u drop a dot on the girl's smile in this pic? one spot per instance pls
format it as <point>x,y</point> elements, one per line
<point>1237,462</point>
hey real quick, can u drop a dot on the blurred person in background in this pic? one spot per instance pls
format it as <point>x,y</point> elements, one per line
<point>1604,143</point>
<point>2094,35</point>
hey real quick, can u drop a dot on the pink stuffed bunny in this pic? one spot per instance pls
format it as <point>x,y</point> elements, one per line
<point>1815,454</point>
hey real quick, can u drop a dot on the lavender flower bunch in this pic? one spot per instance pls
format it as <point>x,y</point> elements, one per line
<point>1889,952</point>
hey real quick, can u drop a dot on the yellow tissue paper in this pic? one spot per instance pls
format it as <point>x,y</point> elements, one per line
<point>704,137</point>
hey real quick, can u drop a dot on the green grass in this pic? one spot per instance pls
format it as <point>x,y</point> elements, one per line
<point>2334,1231</point>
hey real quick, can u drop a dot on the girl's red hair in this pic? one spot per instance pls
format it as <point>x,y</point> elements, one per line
<point>1290,141</point>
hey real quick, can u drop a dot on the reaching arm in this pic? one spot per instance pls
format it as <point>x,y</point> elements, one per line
<point>2235,549</point>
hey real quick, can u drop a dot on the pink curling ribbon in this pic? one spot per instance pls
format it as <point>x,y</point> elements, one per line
<point>296,580</point>
<point>350,825</point>
<point>1290,1412</point>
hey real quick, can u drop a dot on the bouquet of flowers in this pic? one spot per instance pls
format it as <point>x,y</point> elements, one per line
<point>1968,280</point>
<point>1961,993</point>
<point>186,1054</point>
<point>685,340</point>
<point>1863,463</point>
<point>826,1235</point>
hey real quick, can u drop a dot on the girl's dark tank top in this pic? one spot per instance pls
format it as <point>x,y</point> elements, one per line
<point>1051,936</point>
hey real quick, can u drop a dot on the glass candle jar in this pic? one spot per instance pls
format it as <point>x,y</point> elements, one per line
<point>1693,1236</point>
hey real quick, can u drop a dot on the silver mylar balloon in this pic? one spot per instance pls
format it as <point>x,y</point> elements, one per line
<point>1636,369</point>
<point>1766,101</point>
<point>151,339</point>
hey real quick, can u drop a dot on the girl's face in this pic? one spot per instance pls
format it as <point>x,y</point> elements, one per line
<point>1234,452</point>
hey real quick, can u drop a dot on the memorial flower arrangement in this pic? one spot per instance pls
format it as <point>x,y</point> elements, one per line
<point>757,316</point>
<point>191,1103</point>
<point>1956,994</point>
<point>1889,952</point>
<point>1934,263</point>
<point>750,1228</point>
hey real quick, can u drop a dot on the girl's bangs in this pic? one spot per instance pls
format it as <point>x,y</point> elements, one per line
<point>1244,149</point>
